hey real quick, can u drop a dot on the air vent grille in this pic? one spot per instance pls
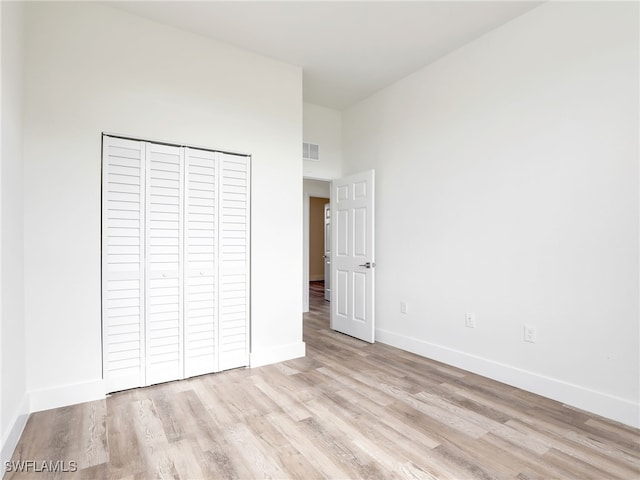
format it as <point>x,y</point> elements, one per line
<point>311,151</point>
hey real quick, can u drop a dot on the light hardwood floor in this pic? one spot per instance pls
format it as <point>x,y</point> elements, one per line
<point>347,410</point>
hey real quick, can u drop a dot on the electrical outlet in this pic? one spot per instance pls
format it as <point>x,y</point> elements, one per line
<point>403,306</point>
<point>530,334</point>
<point>470,319</point>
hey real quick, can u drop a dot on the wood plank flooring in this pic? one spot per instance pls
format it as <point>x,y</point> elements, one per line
<point>348,410</point>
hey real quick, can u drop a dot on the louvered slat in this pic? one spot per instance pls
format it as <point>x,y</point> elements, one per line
<point>123,163</point>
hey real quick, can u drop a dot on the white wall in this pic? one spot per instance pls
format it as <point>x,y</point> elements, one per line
<point>323,126</point>
<point>508,186</point>
<point>13,387</point>
<point>89,69</point>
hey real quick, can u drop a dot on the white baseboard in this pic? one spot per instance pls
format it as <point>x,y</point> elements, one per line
<point>316,277</point>
<point>16,427</point>
<point>277,354</point>
<point>61,396</point>
<point>615,408</point>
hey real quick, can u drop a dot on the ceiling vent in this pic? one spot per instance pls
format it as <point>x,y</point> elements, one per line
<point>311,151</point>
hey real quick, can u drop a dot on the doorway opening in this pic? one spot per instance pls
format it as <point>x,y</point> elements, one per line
<point>316,271</point>
<point>319,247</point>
<point>352,253</point>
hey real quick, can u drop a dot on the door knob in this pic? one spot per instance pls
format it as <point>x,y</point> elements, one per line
<point>368,265</point>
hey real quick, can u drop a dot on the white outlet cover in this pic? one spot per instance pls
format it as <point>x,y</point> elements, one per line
<point>530,334</point>
<point>403,307</point>
<point>470,319</point>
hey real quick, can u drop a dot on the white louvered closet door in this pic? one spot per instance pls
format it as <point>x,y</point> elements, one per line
<point>164,263</point>
<point>234,260</point>
<point>123,163</point>
<point>175,262</point>
<point>201,284</point>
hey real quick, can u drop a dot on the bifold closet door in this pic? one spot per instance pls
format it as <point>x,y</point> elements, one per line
<point>234,259</point>
<point>164,263</point>
<point>175,262</point>
<point>123,224</point>
<point>201,286</point>
<point>217,261</point>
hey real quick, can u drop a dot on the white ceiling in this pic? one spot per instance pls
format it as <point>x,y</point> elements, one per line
<point>348,49</point>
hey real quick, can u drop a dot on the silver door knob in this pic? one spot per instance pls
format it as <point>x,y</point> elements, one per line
<point>368,265</point>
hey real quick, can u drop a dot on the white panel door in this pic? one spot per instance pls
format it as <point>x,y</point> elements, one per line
<point>201,251</point>
<point>123,167</point>
<point>353,255</point>
<point>233,268</point>
<point>164,263</point>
